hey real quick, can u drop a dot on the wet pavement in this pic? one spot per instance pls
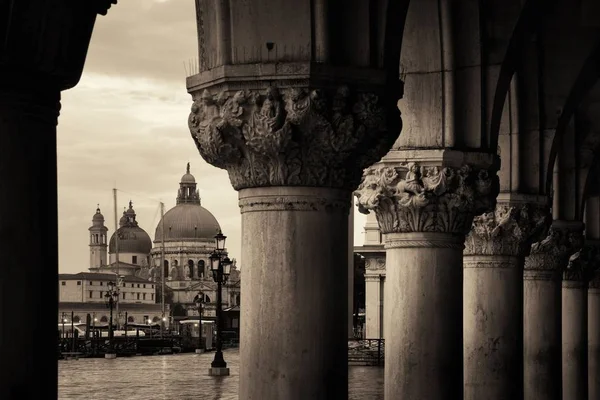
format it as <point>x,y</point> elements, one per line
<point>180,376</point>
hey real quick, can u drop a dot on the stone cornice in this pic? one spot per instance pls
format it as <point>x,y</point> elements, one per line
<point>301,135</point>
<point>509,230</point>
<point>434,196</point>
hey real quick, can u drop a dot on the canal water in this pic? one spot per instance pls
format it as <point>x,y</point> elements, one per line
<point>179,376</point>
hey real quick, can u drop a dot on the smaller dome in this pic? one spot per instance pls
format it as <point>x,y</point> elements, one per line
<point>188,178</point>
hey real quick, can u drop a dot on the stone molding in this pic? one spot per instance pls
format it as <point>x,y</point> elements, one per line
<point>412,197</point>
<point>291,136</point>
<point>491,261</point>
<point>508,230</point>
<point>294,199</point>
<point>550,256</point>
<point>582,264</point>
<point>440,240</point>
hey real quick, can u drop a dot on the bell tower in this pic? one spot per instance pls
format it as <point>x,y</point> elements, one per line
<point>98,242</point>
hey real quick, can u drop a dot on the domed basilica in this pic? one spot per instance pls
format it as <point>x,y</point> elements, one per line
<point>184,237</point>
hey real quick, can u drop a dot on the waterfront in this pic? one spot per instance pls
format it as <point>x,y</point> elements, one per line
<point>180,376</point>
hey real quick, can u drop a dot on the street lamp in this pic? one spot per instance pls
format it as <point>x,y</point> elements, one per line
<point>220,266</point>
<point>111,297</point>
<point>199,299</point>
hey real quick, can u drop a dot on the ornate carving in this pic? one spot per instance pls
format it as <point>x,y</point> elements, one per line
<point>375,264</point>
<point>552,254</point>
<point>292,137</point>
<point>414,198</point>
<point>582,264</point>
<point>508,230</point>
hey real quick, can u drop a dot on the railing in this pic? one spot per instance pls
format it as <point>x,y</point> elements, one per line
<point>366,351</point>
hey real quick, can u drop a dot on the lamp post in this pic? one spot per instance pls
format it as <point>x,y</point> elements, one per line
<point>111,297</point>
<point>220,265</point>
<point>199,299</point>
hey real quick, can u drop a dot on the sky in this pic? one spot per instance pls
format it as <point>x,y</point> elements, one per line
<point>124,126</point>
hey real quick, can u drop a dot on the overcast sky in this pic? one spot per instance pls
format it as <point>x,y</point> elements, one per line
<point>125,126</point>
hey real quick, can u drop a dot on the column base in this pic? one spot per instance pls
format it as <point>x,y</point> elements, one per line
<point>213,371</point>
<point>199,351</point>
<point>110,356</point>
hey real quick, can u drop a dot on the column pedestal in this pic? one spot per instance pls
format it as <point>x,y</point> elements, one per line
<point>423,297</point>
<point>294,315</point>
<point>574,340</point>
<point>493,304</point>
<point>594,339</point>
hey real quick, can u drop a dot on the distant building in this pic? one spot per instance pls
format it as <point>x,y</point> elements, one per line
<point>189,231</point>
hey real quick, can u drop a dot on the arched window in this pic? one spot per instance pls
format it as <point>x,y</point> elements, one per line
<point>166,269</point>
<point>155,319</point>
<point>206,298</point>
<point>76,319</point>
<point>104,318</point>
<point>191,266</point>
<point>130,319</point>
<point>201,271</point>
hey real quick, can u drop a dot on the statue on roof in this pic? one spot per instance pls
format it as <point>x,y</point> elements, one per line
<point>187,169</point>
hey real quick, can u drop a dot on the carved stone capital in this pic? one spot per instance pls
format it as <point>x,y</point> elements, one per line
<point>375,263</point>
<point>295,136</point>
<point>582,264</point>
<point>508,230</point>
<point>550,256</point>
<point>415,197</point>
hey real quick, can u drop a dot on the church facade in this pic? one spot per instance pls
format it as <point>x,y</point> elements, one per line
<point>133,259</point>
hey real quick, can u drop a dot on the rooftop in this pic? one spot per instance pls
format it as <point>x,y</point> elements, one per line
<point>91,276</point>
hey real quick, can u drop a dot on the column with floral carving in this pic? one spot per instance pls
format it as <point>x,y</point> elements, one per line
<point>594,321</point>
<point>425,203</point>
<point>294,150</point>
<point>576,276</point>
<point>493,294</point>
<point>542,309</point>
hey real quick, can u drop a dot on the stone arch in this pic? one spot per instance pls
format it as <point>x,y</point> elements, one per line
<point>201,269</point>
<point>104,318</point>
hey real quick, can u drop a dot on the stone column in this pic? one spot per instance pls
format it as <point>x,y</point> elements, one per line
<point>542,310</point>
<point>294,152</point>
<point>493,294</point>
<point>425,208</point>
<point>594,334</point>
<point>43,51</point>
<point>574,324</point>
<point>374,275</point>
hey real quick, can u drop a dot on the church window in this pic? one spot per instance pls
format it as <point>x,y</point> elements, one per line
<point>144,286</point>
<point>101,293</point>
<point>91,294</point>
<point>123,295</point>
<point>138,296</point>
<point>134,259</point>
<point>63,283</point>
<point>130,319</point>
<point>91,283</point>
<point>104,318</point>
<point>152,296</point>
<point>191,267</point>
<point>201,268</point>
<point>78,283</point>
<point>101,283</point>
<point>76,319</point>
<point>138,285</point>
<point>166,269</point>
<point>144,296</point>
<point>155,319</point>
<point>132,285</point>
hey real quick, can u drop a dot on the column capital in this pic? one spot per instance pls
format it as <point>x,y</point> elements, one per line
<point>511,228</point>
<point>375,265</point>
<point>435,194</point>
<point>583,264</point>
<point>293,129</point>
<point>550,256</point>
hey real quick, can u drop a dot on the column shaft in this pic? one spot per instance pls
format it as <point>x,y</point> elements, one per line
<point>541,336</point>
<point>493,304</point>
<point>594,341</point>
<point>574,340</point>
<point>294,324</point>
<point>423,297</point>
<point>29,231</point>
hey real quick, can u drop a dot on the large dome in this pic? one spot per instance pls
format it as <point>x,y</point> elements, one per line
<point>132,239</point>
<point>187,221</point>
